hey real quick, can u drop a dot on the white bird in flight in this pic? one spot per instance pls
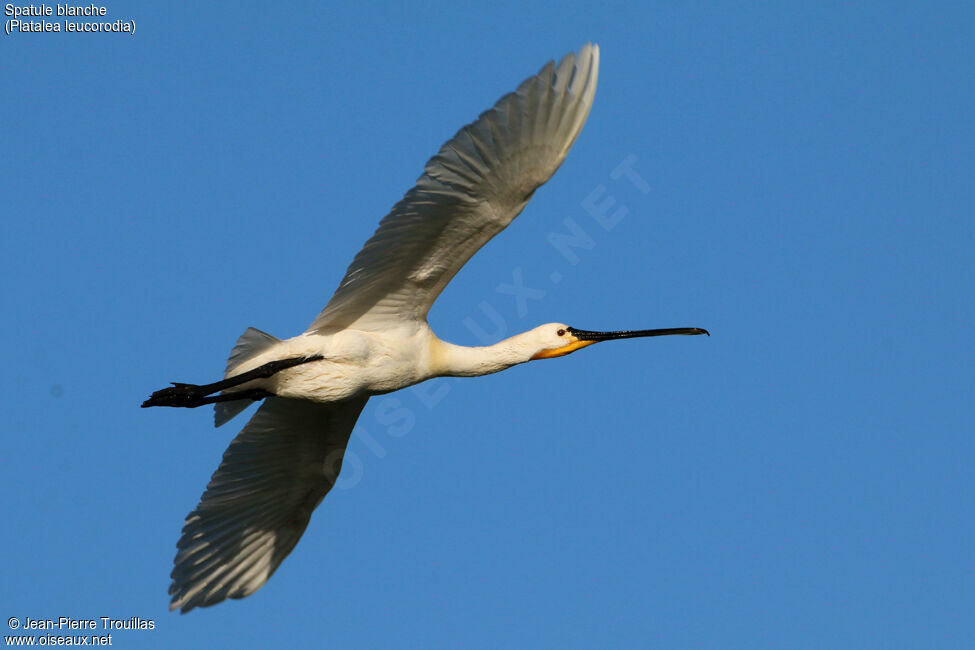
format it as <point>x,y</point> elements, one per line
<point>373,338</point>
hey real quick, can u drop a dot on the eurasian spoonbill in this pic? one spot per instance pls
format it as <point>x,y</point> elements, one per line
<point>373,338</point>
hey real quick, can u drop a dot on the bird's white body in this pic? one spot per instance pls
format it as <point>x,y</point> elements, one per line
<point>356,363</point>
<point>373,338</point>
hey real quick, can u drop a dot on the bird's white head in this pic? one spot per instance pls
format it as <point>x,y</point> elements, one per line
<point>554,340</point>
<point>557,340</point>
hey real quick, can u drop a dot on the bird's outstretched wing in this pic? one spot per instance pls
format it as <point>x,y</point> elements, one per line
<point>259,501</point>
<point>479,181</point>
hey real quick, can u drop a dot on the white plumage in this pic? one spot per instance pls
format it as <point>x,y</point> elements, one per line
<point>372,337</point>
<point>477,183</point>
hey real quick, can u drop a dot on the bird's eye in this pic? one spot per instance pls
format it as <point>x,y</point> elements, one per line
<point>561,332</point>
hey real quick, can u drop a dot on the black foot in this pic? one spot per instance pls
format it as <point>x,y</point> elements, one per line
<point>188,395</point>
<point>191,396</point>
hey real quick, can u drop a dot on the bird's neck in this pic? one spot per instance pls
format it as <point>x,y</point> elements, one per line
<point>461,361</point>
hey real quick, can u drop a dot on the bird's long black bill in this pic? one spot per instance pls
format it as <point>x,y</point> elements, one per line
<point>586,335</point>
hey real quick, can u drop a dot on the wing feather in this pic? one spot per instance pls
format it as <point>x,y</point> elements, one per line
<point>260,499</point>
<point>478,182</point>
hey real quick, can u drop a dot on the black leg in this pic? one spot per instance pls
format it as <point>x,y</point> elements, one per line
<point>185,395</point>
<point>192,395</point>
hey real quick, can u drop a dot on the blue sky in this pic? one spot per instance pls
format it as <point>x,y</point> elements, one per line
<point>802,479</point>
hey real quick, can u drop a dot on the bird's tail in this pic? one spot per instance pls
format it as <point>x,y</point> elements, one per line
<point>251,343</point>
